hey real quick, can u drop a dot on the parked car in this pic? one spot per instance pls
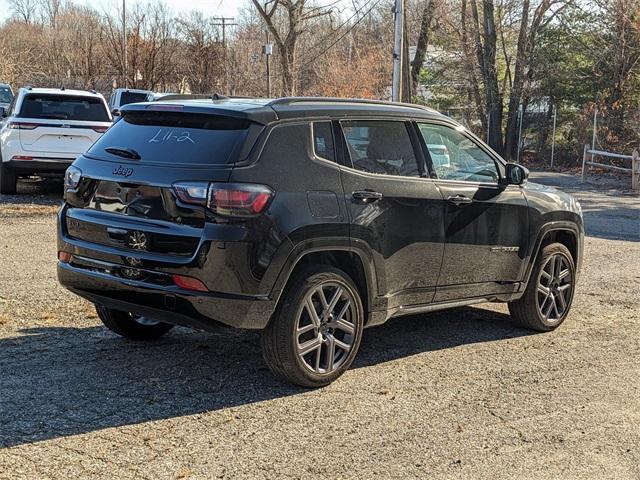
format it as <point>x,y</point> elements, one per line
<point>258,214</point>
<point>46,129</point>
<point>438,150</point>
<point>6,97</point>
<point>124,96</point>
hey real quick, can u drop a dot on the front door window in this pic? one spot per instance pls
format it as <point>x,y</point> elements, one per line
<point>456,157</point>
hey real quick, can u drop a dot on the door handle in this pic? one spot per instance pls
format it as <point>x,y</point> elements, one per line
<point>459,200</point>
<point>367,196</point>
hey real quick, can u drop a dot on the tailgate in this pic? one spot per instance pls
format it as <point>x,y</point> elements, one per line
<point>70,139</point>
<point>136,209</point>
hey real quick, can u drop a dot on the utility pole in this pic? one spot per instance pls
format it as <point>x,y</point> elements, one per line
<point>520,116</point>
<point>224,22</point>
<point>124,43</point>
<point>553,135</point>
<point>268,51</point>
<point>398,51</point>
<point>595,129</point>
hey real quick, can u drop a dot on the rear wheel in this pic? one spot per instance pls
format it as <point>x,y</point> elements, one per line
<point>547,300</point>
<point>133,327</point>
<point>314,336</point>
<point>8,180</point>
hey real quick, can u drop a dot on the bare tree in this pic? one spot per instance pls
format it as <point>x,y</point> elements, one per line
<point>423,42</point>
<point>286,37</point>
<point>25,10</point>
<point>486,53</point>
<point>201,64</point>
<point>533,19</point>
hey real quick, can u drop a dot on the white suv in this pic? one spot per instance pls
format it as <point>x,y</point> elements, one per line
<point>46,129</point>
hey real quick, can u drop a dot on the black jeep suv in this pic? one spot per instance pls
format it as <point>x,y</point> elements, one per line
<point>308,219</point>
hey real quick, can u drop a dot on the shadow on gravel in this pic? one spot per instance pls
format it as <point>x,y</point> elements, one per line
<point>36,191</point>
<point>56,382</point>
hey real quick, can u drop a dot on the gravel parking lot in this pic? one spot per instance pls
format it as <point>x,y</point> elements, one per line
<point>458,394</point>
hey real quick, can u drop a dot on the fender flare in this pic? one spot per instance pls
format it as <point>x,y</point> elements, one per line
<point>330,244</point>
<point>555,226</point>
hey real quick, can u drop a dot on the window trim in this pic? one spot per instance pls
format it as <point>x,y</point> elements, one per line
<point>408,127</point>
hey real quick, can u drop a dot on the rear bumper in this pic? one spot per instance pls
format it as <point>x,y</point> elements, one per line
<point>39,165</point>
<point>169,304</point>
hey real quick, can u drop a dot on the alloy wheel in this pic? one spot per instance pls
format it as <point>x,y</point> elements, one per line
<point>325,327</point>
<point>555,288</point>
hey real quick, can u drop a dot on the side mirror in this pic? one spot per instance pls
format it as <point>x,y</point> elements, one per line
<point>115,112</point>
<point>515,174</point>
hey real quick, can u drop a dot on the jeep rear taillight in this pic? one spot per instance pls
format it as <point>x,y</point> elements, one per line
<point>239,199</point>
<point>244,200</point>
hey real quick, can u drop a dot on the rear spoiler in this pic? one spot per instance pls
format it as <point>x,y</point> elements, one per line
<point>258,113</point>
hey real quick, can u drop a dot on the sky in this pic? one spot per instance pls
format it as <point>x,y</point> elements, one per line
<point>219,8</point>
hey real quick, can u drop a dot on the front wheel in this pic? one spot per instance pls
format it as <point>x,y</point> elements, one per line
<point>315,333</point>
<point>133,327</point>
<point>547,300</point>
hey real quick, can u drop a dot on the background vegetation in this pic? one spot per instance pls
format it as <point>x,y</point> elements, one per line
<point>480,61</point>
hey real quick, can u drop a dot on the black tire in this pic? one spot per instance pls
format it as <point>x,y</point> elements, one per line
<point>8,180</point>
<point>125,325</point>
<point>280,339</point>
<point>529,310</point>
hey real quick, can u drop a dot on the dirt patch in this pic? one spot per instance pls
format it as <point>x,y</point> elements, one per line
<point>25,211</point>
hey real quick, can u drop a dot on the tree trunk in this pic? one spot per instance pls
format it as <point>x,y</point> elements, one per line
<point>423,43</point>
<point>486,53</point>
<point>522,53</point>
<point>473,87</point>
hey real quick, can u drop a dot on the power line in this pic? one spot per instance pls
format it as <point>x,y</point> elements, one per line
<point>362,17</point>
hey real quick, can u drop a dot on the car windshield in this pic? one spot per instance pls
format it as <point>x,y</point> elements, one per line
<point>64,107</point>
<point>5,95</point>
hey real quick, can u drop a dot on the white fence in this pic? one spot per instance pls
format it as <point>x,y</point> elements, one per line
<point>588,159</point>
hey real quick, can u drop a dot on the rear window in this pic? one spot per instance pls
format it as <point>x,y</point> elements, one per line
<point>64,107</point>
<point>176,138</point>
<point>132,97</point>
<point>5,95</point>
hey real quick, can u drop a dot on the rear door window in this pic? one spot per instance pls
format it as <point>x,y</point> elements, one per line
<point>64,107</point>
<point>175,138</point>
<point>382,147</point>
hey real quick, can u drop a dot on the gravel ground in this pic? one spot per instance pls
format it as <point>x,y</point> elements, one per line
<point>459,394</point>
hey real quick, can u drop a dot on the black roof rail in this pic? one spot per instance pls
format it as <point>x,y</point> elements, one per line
<point>193,96</point>
<point>365,101</point>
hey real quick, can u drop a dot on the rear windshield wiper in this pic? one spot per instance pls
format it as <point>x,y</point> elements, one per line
<point>123,152</point>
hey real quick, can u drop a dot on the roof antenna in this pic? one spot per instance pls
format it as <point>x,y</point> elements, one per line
<point>217,96</point>
<point>62,87</point>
